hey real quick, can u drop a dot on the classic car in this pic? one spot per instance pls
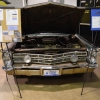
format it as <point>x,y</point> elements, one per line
<point>50,45</point>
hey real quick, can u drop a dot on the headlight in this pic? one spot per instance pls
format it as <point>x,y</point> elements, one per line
<point>93,60</point>
<point>27,59</point>
<point>74,58</point>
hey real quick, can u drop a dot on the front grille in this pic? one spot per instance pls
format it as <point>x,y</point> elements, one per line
<point>49,59</point>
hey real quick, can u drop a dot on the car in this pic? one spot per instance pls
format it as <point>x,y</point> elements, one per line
<point>50,45</point>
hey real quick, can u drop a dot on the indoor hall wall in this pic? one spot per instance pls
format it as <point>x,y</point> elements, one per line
<point>16,3</point>
<point>70,2</point>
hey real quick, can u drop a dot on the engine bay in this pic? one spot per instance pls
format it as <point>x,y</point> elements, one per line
<point>49,42</point>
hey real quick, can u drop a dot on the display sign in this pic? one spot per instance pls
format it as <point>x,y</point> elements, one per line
<point>10,25</point>
<point>95,19</point>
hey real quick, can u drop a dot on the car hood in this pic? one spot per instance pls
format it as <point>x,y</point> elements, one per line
<point>50,17</point>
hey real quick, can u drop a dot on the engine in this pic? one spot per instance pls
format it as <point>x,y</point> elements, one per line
<point>49,44</point>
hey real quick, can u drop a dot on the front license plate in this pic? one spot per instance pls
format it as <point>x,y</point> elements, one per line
<point>51,72</point>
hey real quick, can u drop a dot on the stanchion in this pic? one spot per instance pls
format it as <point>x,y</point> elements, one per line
<point>88,66</point>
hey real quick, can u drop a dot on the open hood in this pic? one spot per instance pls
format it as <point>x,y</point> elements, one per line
<point>51,17</point>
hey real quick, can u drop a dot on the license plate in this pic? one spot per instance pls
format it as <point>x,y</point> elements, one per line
<point>51,72</point>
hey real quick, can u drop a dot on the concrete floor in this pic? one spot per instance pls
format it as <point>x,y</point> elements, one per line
<point>51,88</point>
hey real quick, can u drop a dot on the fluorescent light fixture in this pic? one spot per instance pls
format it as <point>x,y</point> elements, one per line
<point>83,1</point>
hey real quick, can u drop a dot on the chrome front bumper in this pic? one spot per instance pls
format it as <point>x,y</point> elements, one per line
<point>35,69</point>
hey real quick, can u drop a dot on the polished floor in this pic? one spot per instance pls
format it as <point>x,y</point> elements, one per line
<point>51,88</point>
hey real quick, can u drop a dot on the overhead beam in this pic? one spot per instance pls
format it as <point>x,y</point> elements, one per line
<point>2,3</point>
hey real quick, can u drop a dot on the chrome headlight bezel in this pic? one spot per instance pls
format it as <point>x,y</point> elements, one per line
<point>94,53</point>
<point>92,60</point>
<point>27,59</point>
<point>6,55</point>
<point>8,63</point>
<point>74,58</point>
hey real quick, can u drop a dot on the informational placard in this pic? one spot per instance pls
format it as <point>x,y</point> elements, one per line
<point>12,17</point>
<point>95,19</point>
<point>10,25</point>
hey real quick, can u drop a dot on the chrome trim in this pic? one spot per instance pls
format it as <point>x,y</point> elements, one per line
<point>49,59</point>
<point>36,66</point>
<point>7,69</point>
<point>93,65</point>
<point>83,65</point>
